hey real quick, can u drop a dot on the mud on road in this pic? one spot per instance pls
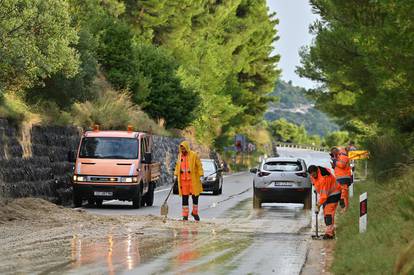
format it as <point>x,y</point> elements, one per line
<point>43,238</point>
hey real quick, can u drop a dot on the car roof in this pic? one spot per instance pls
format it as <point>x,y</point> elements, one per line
<point>121,134</point>
<point>283,159</point>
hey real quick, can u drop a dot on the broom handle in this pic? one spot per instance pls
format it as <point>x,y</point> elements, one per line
<point>169,193</point>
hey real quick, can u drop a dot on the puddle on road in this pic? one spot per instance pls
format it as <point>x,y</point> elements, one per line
<point>185,250</point>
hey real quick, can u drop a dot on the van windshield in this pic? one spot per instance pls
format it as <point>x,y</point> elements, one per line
<point>109,148</point>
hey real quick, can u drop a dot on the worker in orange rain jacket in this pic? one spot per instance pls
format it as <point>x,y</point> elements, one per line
<point>343,173</point>
<point>188,171</point>
<point>329,194</point>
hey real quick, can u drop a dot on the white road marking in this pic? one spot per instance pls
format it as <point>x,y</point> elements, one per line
<point>162,190</point>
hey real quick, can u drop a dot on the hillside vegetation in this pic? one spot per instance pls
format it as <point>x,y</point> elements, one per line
<point>201,65</point>
<point>362,56</point>
<point>294,106</point>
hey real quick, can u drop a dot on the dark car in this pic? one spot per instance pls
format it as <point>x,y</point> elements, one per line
<point>213,177</point>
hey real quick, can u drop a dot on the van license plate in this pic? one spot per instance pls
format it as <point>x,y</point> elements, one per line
<point>281,183</point>
<point>103,194</point>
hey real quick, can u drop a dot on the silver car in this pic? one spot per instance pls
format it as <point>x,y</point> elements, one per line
<point>283,180</point>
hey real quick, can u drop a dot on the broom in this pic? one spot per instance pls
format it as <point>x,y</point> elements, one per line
<point>164,206</point>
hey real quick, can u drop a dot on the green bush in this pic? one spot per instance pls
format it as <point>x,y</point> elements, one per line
<point>13,107</point>
<point>384,247</point>
<point>388,156</point>
<point>113,110</point>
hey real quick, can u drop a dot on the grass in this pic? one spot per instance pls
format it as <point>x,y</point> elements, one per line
<point>13,107</point>
<point>113,110</point>
<point>387,246</point>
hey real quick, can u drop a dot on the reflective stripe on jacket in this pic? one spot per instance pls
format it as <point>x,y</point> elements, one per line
<point>326,186</point>
<point>342,165</point>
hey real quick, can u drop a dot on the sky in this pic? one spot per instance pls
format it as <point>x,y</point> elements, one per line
<point>294,19</point>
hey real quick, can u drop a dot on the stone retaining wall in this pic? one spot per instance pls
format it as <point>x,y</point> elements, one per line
<point>33,160</point>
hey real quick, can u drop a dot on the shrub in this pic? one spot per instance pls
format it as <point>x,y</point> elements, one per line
<point>13,107</point>
<point>388,154</point>
<point>113,110</point>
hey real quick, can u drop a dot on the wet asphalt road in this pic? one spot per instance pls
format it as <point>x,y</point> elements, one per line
<point>271,240</point>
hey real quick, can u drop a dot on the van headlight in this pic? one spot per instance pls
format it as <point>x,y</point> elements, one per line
<point>129,179</point>
<point>79,178</point>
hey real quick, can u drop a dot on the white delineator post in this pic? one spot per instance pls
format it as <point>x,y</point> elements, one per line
<point>363,209</point>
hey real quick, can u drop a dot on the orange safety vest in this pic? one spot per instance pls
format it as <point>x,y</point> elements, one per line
<point>326,186</point>
<point>343,169</point>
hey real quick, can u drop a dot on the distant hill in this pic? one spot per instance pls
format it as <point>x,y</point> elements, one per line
<point>296,108</point>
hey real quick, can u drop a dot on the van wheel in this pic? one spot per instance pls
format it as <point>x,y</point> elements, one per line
<point>136,201</point>
<point>307,202</point>
<point>149,197</point>
<point>77,200</point>
<point>99,202</point>
<point>257,202</point>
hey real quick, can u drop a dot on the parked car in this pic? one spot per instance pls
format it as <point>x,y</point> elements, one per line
<point>281,180</point>
<point>213,177</point>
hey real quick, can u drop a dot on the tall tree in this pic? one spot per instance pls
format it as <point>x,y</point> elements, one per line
<point>35,41</point>
<point>363,57</point>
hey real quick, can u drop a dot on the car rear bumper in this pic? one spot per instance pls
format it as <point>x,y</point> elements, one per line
<point>119,192</point>
<point>211,185</point>
<point>282,195</point>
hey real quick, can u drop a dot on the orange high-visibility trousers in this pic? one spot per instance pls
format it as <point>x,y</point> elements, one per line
<point>345,194</point>
<point>186,187</point>
<point>329,215</point>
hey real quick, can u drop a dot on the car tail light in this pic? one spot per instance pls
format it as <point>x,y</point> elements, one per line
<point>263,174</point>
<point>302,174</point>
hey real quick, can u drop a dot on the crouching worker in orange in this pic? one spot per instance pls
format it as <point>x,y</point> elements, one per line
<point>188,171</point>
<point>329,192</point>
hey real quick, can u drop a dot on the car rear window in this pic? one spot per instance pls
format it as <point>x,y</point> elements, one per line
<point>282,166</point>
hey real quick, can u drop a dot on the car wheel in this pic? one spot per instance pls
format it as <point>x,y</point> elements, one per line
<point>136,201</point>
<point>99,202</point>
<point>307,202</point>
<point>77,200</point>
<point>175,189</point>
<point>216,191</point>
<point>257,202</point>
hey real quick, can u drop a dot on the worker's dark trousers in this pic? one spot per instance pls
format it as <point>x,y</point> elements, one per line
<point>186,205</point>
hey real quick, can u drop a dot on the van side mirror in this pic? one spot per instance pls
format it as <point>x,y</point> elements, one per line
<point>72,156</point>
<point>147,158</point>
<point>253,170</point>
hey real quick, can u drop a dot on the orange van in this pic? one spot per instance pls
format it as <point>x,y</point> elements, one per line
<point>114,165</point>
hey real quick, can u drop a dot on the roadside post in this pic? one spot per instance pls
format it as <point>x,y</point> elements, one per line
<point>363,208</point>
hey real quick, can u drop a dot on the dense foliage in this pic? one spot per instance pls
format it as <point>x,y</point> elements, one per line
<point>199,63</point>
<point>363,57</point>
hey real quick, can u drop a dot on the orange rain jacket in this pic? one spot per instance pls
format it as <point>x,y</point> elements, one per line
<point>326,186</point>
<point>195,167</point>
<point>342,166</point>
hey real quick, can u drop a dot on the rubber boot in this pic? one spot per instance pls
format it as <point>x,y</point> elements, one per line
<point>185,212</point>
<point>194,213</point>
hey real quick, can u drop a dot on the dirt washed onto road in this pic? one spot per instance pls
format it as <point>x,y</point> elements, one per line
<point>40,237</point>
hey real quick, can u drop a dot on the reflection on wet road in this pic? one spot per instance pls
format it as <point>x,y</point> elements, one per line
<point>233,238</point>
